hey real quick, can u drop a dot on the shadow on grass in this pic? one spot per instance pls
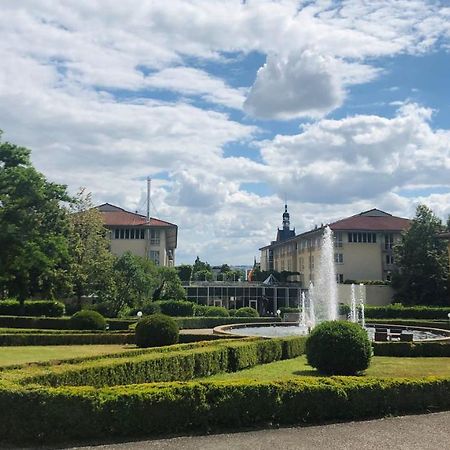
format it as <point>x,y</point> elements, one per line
<point>307,373</point>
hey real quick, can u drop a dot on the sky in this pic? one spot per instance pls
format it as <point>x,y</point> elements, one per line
<point>233,108</point>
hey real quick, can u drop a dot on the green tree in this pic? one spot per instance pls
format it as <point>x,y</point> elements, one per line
<point>201,271</point>
<point>422,262</point>
<point>184,272</point>
<point>169,284</point>
<point>92,263</point>
<point>136,280</point>
<point>34,256</point>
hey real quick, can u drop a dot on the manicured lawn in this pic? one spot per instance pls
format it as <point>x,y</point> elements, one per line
<point>381,366</point>
<point>26,354</point>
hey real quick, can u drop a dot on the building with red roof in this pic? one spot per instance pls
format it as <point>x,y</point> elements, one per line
<point>363,248</point>
<point>152,238</point>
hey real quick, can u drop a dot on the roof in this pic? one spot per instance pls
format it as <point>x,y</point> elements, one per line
<point>373,220</point>
<point>284,235</point>
<point>115,216</point>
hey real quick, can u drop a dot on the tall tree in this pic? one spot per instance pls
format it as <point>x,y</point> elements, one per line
<point>422,261</point>
<point>91,261</point>
<point>34,228</point>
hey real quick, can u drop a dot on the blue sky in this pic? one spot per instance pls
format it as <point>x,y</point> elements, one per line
<point>232,107</point>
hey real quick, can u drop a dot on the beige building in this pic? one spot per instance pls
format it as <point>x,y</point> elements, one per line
<point>153,239</point>
<point>363,247</point>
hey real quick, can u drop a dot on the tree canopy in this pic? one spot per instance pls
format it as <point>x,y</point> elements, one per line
<point>34,230</point>
<point>422,262</point>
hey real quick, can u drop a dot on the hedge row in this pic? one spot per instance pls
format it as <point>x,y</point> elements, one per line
<point>49,308</point>
<point>69,414</point>
<point>397,311</point>
<point>179,365</point>
<point>85,338</point>
<point>443,324</point>
<point>53,323</point>
<point>410,349</point>
<point>211,322</point>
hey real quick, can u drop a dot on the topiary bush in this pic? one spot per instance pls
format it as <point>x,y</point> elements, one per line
<point>216,311</point>
<point>156,330</point>
<point>247,312</point>
<point>176,308</point>
<point>87,319</point>
<point>338,348</point>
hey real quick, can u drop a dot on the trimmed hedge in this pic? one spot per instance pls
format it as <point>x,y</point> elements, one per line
<point>175,363</point>
<point>246,312</point>
<point>80,338</point>
<point>211,322</point>
<point>176,308</point>
<point>44,415</point>
<point>397,311</point>
<point>53,323</point>
<point>412,349</point>
<point>87,319</point>
<point>156,330</point>
<point>443,324</point>
<point>48,308</point>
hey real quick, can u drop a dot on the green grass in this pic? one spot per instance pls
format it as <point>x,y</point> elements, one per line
<point>381,366</point>
<point>27,354</point>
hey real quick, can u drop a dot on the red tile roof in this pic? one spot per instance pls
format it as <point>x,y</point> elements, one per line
<point>115,216</point>
<point>371,223</point>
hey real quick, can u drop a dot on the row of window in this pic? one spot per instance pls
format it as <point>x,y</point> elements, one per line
<point>370,238</point>
<point>137,233</point>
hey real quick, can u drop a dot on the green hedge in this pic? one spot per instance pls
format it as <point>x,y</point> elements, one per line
<point>45,415</point>
<point>211,322</point>
<point>397,311</point>
<point>443,324</point>
<point>49,308</point>
<point>175,363</point>
<point>410,349</point>
<point>53,323</point>
<point>83,338</point>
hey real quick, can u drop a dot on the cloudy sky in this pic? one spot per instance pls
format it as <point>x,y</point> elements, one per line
<point>231,107</point>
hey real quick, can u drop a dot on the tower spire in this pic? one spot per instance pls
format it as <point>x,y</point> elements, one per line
<point>286,220</point>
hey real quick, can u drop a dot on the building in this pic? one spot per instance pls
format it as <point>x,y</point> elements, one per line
<point>151,238</point>
<point>363,248</point>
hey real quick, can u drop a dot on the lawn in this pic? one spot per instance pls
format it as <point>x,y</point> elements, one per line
<point>381,366</point>
<point>26,354</point>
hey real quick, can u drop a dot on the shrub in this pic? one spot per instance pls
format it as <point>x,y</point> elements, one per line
<point>211,322</point>
<point>288,309</point>
<point>176,308</point>
<point>49,308</point>
<point>338,348</point>
<point>232,312</point>
<point>397,311</point>
<point>247,312</point>
<point>103,308</point>
<point>216,311</point>
<point>156,330</point>
<point>87,320</point>
<point>343,309</point>
<point>412,349</point>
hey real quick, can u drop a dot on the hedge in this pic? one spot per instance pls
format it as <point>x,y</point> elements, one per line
<point>211,322</point>
<point>49,308</point>
<point>175,363</point>
<point>411,349</point>
<point>45,415</point>
<point>397,311</point>
<point>443,324</point>
<point>80,338</point>
<point>53,323</point>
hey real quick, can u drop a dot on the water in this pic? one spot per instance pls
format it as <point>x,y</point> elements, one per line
<point>323,296</point>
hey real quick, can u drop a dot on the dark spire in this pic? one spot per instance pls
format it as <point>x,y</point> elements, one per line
<point>286,221</point>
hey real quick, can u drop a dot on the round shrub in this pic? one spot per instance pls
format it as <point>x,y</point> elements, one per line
<point>338,348</point>
<point>247,312</point>
<point>87,319</point>
<point>156,330</point>
<point>216,311</point>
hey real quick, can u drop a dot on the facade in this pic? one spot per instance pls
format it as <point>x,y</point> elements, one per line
<point>150,238</point>
<point>363,248</point>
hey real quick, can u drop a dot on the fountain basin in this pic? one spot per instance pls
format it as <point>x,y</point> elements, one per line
<point>277,329</point>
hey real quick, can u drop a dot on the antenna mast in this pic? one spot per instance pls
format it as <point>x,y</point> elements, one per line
<point>149,185</point>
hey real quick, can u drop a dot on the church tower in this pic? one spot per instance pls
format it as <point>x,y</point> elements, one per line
<point>285,232</point>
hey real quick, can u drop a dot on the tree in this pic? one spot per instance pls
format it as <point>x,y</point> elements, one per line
<point>170,283</point>
<point>201,271</point>
<point>92,263</point>
<point>184,272</point>
<point>34,255</point>
<point>422,262</point>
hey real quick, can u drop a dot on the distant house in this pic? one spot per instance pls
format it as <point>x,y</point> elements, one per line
<point>154,239</point>
<point>363,247</point>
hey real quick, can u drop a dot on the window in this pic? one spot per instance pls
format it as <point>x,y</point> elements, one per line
<point>339,258</point>
<point>132,233</point>
<point>142,233</point>
<point>122,233</point>
<point>339,278</point>
<point>154,237</point>
<point>154,256</point>
<point>389,260</point>
<point>338,239</point>
<point>116,233</point>
<point>388,241</point>
<point>362,237</point>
